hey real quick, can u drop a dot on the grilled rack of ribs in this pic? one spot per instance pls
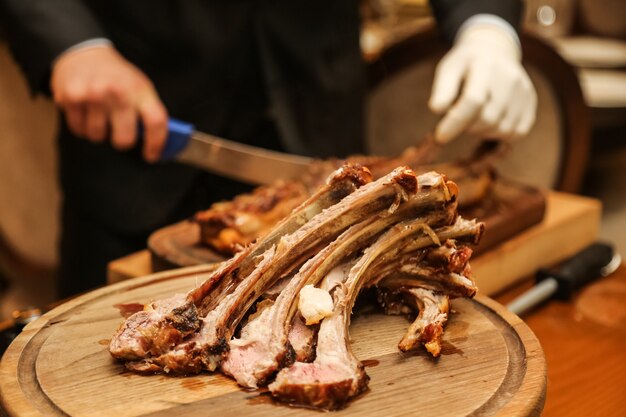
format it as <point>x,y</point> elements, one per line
<point>229,225</point>
<point>400,233</point>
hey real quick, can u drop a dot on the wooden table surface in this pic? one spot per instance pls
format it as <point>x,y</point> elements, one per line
<point>584,341</point>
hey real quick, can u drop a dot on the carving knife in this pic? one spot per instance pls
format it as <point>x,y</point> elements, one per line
<point>595,261</point>
<point>246,163</point>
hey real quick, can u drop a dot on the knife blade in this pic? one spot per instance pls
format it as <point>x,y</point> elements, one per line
<point>246,163</point>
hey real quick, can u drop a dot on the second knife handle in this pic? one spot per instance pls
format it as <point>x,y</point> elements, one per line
<point>579,270</point>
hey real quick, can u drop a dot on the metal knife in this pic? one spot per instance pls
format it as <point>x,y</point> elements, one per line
<point>249,164</point>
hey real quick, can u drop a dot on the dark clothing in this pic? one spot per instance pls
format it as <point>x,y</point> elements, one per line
<point>451,14</point>
<point>281,74</point>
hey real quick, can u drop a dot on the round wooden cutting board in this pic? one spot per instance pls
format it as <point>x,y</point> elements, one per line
<point>491,364</point>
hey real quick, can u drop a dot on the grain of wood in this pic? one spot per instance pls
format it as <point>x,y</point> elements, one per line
<point>491,364</point>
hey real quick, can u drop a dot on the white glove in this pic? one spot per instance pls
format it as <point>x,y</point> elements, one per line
<point>498,99</point>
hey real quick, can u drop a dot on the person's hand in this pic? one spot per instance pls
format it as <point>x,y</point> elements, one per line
<point>497,99</point>
<point>105,96</point>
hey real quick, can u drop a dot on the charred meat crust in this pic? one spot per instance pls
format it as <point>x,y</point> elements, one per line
<point>355,172</point>
<point>325,396</point>
<point>184,318</point>
<point>286,359</point>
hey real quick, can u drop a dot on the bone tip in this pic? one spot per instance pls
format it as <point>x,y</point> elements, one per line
<point>453,188</point>
<point>434,179</point>
<point>357,173</point>
<point>406,178</point>
<point>480,232</point>
<point>433,347</point>
<point>405,345</point>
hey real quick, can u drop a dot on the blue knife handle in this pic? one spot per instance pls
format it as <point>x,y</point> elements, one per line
<point>178,134</point>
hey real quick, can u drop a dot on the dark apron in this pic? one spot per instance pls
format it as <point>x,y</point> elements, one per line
<point>284,75</point>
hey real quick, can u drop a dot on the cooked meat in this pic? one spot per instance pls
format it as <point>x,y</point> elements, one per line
<point>209,345</point>
<point>159,326</point>
<point>399,232</point>
<point>424,282</point>
<point>253,361</point>
<point>336,375</point>
<point>229,225</point>
<point>294,249</point>
<point>163,324</point>
<point>427,329</point>
<point>247,217</point>
<point>453,279</point>
<point>302,340</point>
<point>453,284</point>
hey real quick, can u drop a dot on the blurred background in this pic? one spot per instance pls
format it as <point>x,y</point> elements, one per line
<point>578,144</point>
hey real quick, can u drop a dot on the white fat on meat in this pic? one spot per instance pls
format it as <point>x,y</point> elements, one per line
<point>314,304</point>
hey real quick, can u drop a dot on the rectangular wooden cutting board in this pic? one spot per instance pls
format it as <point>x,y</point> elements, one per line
<point>571,223</point>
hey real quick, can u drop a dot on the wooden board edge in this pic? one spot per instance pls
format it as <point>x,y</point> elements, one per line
<point>536,365</point>
<point>10,386</point>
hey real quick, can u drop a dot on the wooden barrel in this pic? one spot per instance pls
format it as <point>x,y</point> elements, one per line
<point>491,364</point>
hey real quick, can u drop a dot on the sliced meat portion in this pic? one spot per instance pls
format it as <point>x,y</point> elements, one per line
<point>427,328</point>
<point>278,261</point>
<point>336,375</point>
<point>432,308</point>
<point>161,325</point>
<point>424,282</point>
<point>302,339</point>
<point>330,380</point>
<point>248,216</point>
<point>165,323</point>
<point>255,358</point>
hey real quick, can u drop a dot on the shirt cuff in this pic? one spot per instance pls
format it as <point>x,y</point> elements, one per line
<point>89,43</point>
<point>490,19</point>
